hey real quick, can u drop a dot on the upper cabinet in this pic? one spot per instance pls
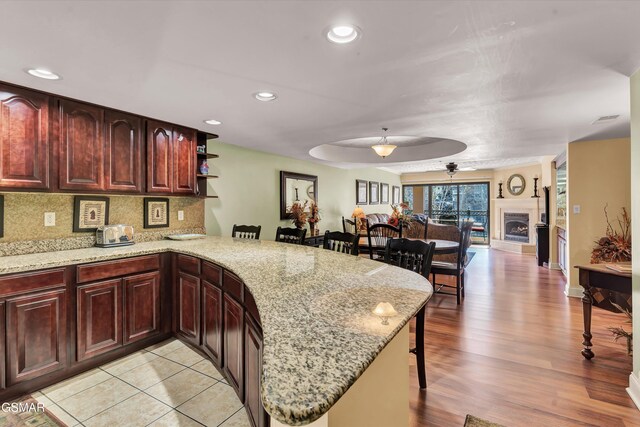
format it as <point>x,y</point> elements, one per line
<point>184,161</point>
<point>81,155</point>
<point>171,159</point>
<point>50,143</point>
<point>24,138</point>
<point>123,148</point>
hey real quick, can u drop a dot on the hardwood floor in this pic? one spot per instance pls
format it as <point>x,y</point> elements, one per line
<point>510,353</point>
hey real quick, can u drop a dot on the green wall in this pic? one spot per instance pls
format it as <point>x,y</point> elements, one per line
<point>249,190</point>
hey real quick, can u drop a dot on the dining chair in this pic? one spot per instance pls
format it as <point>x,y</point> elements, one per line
<point>346,243</point>
<point>349,226</point>
<point>246,231</point>
<point>377,237</point>
<point>291,235</point>
<point>457,268</point>
<point>417,256</point>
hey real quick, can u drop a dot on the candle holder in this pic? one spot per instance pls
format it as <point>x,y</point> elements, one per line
<point>535,189</point>
<point>500,196</point>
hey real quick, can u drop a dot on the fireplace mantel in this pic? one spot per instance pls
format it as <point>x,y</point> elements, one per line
<point>530,206</point>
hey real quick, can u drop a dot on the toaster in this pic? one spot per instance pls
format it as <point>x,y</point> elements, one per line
<point>108,236</point>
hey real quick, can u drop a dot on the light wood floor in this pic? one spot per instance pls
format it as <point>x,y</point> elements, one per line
<point>510,353</point>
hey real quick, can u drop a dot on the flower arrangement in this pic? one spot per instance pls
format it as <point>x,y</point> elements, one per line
<point>313,217</point>
<point>398,215</point>
<point>615,246</point>
<point>299,214</point>
<point>620,332</point>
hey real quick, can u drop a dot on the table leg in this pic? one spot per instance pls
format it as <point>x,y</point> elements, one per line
<point>587,301</point>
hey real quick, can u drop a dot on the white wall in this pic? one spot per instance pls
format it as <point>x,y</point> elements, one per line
<point>249,190</point>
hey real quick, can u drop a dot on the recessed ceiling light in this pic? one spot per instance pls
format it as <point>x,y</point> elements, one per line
<point>43,74</point>
<point>213,122</point>
<point>343,34</point>
<point>265,96</point>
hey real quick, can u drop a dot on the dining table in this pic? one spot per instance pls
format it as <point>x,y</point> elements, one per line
<point>442,246</point>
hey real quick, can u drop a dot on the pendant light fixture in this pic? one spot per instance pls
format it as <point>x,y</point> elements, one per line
<point>383,148</point>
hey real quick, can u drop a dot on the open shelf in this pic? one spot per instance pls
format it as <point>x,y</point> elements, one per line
<point>200,175</point>
<point>208,155</point>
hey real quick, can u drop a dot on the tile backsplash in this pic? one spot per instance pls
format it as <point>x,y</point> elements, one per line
<point>24,229</point>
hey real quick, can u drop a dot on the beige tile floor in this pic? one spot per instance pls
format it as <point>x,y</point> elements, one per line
<point>164,385</point>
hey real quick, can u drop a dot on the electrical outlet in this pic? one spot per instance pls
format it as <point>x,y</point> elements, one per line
<point>576,209</point>
<point>49,219</point>
<point>180,215</point>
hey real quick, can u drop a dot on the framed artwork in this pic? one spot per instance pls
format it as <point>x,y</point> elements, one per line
<point>156,212</point>
<point>296,188</point>
<point>384,194</point>
<point>361,192</point>
<point>373,193</point>
<point>89,213</point>
<point>1,215</point>
<point>396,195</point>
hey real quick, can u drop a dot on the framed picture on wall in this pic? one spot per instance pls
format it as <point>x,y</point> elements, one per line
<point>156,212</point>
<point>373,193</point>
<point>396,195</point>
<point>296,188</point>
<point>89,213</point>
<point>361,192</point>
<point>384,194</point>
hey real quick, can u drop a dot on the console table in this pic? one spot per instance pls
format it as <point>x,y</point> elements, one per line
<point>598,276</point>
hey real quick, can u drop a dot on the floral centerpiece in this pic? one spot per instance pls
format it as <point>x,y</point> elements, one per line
<point>314,217</point>
<point>299,214</point>
<point>399,215</point>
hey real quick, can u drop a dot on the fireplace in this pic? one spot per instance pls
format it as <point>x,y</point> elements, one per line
<point>516,227</point>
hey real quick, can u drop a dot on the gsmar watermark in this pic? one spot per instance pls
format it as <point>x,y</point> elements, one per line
<point>20,407</point>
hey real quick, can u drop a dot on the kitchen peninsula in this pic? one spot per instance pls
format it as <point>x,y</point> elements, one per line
<point>291,326</point>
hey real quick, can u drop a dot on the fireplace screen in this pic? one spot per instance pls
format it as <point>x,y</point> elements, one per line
<point>516,227</point>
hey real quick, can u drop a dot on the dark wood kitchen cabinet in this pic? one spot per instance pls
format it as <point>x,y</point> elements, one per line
<point>212,321</point>
<point>99,318</point>
<point>81,146</point>
<point>2,346</point>
<point>188,307</point>
<point>24,139</point>
<point>141,306</point>
<point>123,152</point>
<point>233,343</point>
<point>36,335</point>
<point>184,161</point>
<point>253,372</point>
<point>159,157</point>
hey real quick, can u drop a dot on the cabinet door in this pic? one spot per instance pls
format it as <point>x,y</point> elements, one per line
<point>188,316</point>
<point>142,306</point>
<point>184,161</point>
<point>24,139</point>
<point>159,157</point>
<point>2,344</point>
<point>81,147</point>
<point>232,346</point>
<point>123,152</point>
<point>253,372</point>
<point>212,321</point>
<point>99,314</point>
<point>36,335</point>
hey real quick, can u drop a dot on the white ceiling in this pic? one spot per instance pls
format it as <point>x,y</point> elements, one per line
<point>512,80</point>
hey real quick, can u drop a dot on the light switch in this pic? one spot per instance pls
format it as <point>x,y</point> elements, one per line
<point>576,209</point>
<point>180,215</point>
<point>49,219</point>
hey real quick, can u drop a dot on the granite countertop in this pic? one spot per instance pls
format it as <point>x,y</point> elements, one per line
<point>315,306</point>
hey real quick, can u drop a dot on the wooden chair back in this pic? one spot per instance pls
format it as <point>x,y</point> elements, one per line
<point>246,231</point>
<point>379,234</point>
<point>414,255</point>
<point>291,235</point>
<point>349,226</point>
<point>346,243</point>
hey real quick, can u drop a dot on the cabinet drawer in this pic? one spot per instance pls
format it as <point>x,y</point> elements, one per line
<point>233,285</point>
<point>189,264</point>
<point>212,273</point>
<point>26,282</point>
<point>107,269</point>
